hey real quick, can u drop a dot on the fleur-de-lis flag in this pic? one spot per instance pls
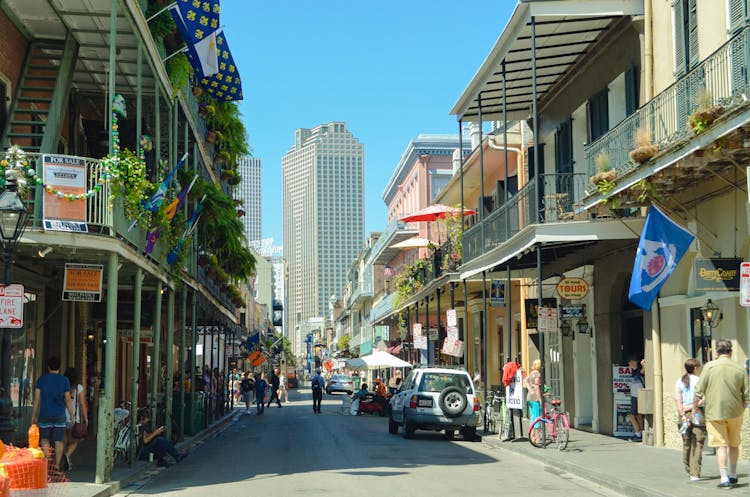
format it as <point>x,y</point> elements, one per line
<point>198,23</point>
<point>225,85</point>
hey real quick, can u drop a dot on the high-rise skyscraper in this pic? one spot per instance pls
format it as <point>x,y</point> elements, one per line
<point>250,192</point>
<point>323,203</point>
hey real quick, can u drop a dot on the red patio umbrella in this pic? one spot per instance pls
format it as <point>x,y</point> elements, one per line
<point>435,212</point>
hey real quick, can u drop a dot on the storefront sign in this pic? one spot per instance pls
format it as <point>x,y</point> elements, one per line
<point>573,311</point>
<point>83,282</point>
<point>717,274</point>
<point>572,288</point>
<point>497,293</point>
<point>64,175</point>
<point>745,284</point>
<point>622,377</point>
<point>11,306</point>
<point>532,310</point>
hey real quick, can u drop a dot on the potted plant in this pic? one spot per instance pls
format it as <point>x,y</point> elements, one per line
<point>644,150</point>
<point>706,113</point>
<point>206,110</point>
<point>197,90</point>
<point>211,136</point>
<point>604,179</point>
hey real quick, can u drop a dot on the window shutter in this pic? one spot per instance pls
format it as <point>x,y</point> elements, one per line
<point>532,166</point>
<point>680,66</point>
<point>737,14</point>
<point>564,147</point>
<point>632,93</point>
<point>692,41</point>
<point>598,114</point>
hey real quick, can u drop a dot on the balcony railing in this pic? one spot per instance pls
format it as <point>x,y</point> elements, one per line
<point>385,239</point>
<point>722,77</point>
<point>547,201</point>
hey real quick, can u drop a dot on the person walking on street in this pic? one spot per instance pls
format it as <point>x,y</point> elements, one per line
<point>274,383</point>
<point>246,388</point>
<point>78,394</point>
<point>283,388</point>
<point>723,387</point>
<point>51,400</point>
<point>260,392</point>
<point>637,382</point>
<point>691,423</point>
<point>318,383</point>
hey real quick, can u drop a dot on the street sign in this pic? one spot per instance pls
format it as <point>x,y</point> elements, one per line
<point>11,306</point>
<point>745,284</point>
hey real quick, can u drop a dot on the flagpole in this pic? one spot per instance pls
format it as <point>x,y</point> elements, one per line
<point>182,50</point>
<point>170,6</point>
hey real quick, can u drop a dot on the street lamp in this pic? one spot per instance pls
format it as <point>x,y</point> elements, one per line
<point>711,314</point>
<point>13,217</point>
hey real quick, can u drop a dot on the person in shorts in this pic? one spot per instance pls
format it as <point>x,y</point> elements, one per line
<point>247,387</point>
<point>51,400</point>
<point>723,391</point>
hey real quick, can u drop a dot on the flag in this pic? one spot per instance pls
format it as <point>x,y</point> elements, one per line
<point>225,85</point>
<point>662,245</point>
<point>170,212</point>
<point>198,23</point>
<point>189,227</point>
<point>253,340</point>
<point>157,198</point>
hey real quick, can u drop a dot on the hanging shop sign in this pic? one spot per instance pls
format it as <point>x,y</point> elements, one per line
<point>11,306</point>
<point>717,274</point>
<point>532,310</point>
<point>83,282</point>
<point>573,311</point>
<point>65,194</point>
<point>497,293</point>
<point>573,288</point>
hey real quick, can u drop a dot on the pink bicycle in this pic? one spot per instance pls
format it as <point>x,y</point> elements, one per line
<point>551,427</point>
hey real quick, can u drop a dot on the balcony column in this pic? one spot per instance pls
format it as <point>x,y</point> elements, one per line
<point>539,172</point>
<point>430,345</point>
<point>136,376</point>
<point>155,359</point>
<point>139,93</point>
<point>542,354</point>
<point>505,156</point>
<point>483,339</point>
<point>183,361</point>
<point>461,176</point>
<point>481,177</point>
<point>106,415</point>
<point>211,376</point>
<point>194,346</point>
<point>437,298</point>
<point>157,123</point>
<point>112,69</point>
<point>465,335</point>
<point>508,313</point>
<point>168,388</point>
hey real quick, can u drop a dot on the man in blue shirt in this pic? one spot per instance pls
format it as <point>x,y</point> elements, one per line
<point>318,383</point>
<point>51,399</point>
<point>260,392</point>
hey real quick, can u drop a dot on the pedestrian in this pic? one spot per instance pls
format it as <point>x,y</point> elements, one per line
<point>260,392</point>
<point>534,396</point>
<point>154,442</point>
<point>283,388</point>
<point>691,422</point>
<point>379,387</point>
<point>247,386</point>
<point>317,383</point>
<point>51,400</point>
<point>723,387</point>
<point>637,381</point>
<point>78,394</point>
<point>274,383</point>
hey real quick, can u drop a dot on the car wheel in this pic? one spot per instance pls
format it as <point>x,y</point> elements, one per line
<point>469,433</point>
<point>408,428</point>
<point>452,401</point>
<point>449,434</point>
<point>392,425</point>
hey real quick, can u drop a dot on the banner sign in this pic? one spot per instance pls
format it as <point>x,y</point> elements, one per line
<point>514,391</point>
<point>717,274</point>
<point>83,282</point>
<point>745,284</point>
<point>532,310</point>
<point>11,306</point>
<point>64,175</point>
<point>573,311</point>
<point>420,342</point>
<point>497,293</point>
<point>573,288</point>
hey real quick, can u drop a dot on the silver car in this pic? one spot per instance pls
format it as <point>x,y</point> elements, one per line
<point>340,383</point>
<point>435,398</point>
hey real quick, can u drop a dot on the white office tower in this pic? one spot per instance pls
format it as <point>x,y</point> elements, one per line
<point>323,210</point>
<point>250,192</point>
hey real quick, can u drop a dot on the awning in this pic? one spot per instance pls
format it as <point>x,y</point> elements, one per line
<point>564,246</point>
<point>564,34</point>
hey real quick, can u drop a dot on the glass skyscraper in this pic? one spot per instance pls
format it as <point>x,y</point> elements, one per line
<point>250,192</point>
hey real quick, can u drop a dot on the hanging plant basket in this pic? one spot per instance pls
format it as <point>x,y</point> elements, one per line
<point>644,153</point>
<point>211,136</point>
<point>602,176</point>
<point>197,91</point>
<point>703,118</point>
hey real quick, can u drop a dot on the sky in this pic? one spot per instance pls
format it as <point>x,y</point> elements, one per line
<point>391,70</point>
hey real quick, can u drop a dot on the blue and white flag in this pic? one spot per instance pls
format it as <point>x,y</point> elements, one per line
<point>198,23</point>
<point>225,85</point>
<point>663,243</point>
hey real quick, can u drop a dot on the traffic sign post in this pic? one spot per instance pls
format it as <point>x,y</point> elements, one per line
<point>745,284</point>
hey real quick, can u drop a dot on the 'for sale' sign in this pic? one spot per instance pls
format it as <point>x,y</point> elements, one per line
<point>11,306</point>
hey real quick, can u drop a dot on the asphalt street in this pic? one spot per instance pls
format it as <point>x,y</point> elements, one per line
<point>291,451</point>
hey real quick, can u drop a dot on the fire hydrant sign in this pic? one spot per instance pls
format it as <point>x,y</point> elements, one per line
<point>11,306</point>
<point>745,284</point>
<point>83,282</point>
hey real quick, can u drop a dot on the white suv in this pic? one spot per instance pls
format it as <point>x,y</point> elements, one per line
<point>435,398</point>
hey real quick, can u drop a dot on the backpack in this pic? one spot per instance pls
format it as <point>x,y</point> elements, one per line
<point>317,382</point>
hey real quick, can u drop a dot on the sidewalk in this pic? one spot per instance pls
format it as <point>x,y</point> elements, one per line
<point>633,469</point>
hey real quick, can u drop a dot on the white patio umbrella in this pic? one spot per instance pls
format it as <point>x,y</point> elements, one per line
<point>416,242</point>
<point>356,363</point>
<point>382,359</point>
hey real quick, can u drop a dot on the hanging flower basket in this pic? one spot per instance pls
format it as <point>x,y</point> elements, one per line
<point>703,118</point>
<point>197,91</point>
<point>602,176</point>
<point>211,136</point>
<point>644,153</point>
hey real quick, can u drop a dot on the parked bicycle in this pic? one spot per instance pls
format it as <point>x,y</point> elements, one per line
<point>551,427</point>
<point>494,412</point>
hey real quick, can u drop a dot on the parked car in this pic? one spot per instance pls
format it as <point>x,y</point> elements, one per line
<point>435,398</point>
<point>340,383</point>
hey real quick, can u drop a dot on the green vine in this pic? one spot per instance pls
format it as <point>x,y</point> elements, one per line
<point>179,70</point>
<point>162,25</point>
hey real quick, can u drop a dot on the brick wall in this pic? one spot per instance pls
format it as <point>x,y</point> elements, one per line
<point>12,51</point>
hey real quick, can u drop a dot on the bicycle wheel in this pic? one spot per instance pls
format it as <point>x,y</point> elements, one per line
<point>562,432</point>
<point>505,419</point>
<point>540,432</point>
<point>491,420</point>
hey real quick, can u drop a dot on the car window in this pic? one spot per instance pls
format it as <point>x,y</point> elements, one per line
<point>408,381</point>
<point>341,377</point>
<point>437,382</point>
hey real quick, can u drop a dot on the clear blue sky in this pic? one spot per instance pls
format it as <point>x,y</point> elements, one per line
<point>389,69</point>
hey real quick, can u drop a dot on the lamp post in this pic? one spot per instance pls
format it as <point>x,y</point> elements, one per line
<point>711,315</point>
<point>13,217</point>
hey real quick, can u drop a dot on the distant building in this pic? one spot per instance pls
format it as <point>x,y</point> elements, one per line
<point>250,192</point>
<point>323,206</point>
